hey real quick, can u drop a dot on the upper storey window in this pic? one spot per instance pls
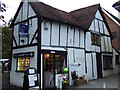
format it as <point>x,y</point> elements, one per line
<point>95,39</point>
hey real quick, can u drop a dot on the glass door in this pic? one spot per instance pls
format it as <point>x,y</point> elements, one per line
<point>53,65</point>
<point>49,71</point>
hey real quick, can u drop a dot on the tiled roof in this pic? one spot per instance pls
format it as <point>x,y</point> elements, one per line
<point>81,17</point>
<point>86,15</point>
<point>50,12</point>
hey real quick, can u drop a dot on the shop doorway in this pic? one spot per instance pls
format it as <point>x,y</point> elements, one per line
<point>99,65</point>
<point>53,65</point>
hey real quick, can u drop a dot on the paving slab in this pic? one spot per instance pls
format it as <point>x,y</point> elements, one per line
<point>108,82</point>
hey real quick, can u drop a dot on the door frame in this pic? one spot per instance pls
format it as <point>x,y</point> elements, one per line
<point>54,53</point>
<point>99,65</point>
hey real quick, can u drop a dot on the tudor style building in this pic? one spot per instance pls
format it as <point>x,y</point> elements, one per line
<point>49,39</point>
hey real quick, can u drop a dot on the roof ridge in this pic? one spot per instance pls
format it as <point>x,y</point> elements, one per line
<point>51,6</point>
<point>85,7</point>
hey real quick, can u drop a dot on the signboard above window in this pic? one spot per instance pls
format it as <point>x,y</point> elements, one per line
<point>26,54</point>
<point>23,30</point>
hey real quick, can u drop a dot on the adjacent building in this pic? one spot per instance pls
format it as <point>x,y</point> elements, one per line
<point>49,39</point>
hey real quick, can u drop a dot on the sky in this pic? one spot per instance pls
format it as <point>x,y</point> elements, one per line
<point>65,5</point>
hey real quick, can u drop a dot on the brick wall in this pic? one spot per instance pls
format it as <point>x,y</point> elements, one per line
<point>114,28</point>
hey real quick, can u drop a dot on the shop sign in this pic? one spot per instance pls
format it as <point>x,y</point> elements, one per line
<point>52,52</point>
<point>75,65</point>
<point>27,54</point>
<point>23,30</point>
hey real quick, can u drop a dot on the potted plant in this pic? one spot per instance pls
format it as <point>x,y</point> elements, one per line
<point>74,75</point>
<point>65,83</point>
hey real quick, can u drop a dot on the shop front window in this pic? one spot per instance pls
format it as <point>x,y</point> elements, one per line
<point>23,63</point>
<point>60,63</point>
<point>53,65</point>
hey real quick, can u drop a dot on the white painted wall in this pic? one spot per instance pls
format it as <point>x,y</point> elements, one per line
<point>105,29</point>
<point>33,27</point>
<point>25,9</point>
<point>42,71</point>
<point>16,78</point>
<point>31,12</point>
<point>91,66</point>
<point>70,36</point>
<point>110,44</point>
<point>80,58</point>
<point>76,39</point>
<point>24,13</point>
<point>76,56</point>
<point>96,26</point>
<point>94,65</point>
<point>88,41</point>
<point>98,15</point>
<point>18,19</point>
<point>101,26</point>
<point>89,46</point>
<point>92,25</point>
<point>16,27</point>
<point>63,35</point>
<point>105,45</point>
<point>82,39</point>
<point>45,34</point>
<point>73,38</point>
<point>102,43</point>
<point>55,34</point>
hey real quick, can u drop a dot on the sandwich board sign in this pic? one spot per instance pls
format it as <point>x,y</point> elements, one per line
<point>30,79</point>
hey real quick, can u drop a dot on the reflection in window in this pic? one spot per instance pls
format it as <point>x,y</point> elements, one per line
<point>107,62</point>
<point>60,63</point>
<point>57,61</point>
<point>95,39</point>
<point>23,63</point>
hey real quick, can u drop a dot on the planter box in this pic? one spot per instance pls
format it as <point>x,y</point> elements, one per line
<point>80,82</point>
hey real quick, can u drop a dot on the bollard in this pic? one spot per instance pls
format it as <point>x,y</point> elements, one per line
<point>104,86</point>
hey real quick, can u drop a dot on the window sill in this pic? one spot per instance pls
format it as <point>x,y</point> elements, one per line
<point>109,68</point>
<point>96,45</point>
<point>20,71</point>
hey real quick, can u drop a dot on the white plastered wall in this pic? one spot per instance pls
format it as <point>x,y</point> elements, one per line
<point>16,78</point>
<point>63,35</point>
<point>76,56</point>
<point>33,27</point>
<point>91,66</point>
<point>25,12</point>
<point>55,34</point>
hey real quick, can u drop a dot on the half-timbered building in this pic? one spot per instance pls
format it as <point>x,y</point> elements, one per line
<point>49,39</point>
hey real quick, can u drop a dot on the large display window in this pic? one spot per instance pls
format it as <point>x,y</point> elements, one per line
<point>23,63</point>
